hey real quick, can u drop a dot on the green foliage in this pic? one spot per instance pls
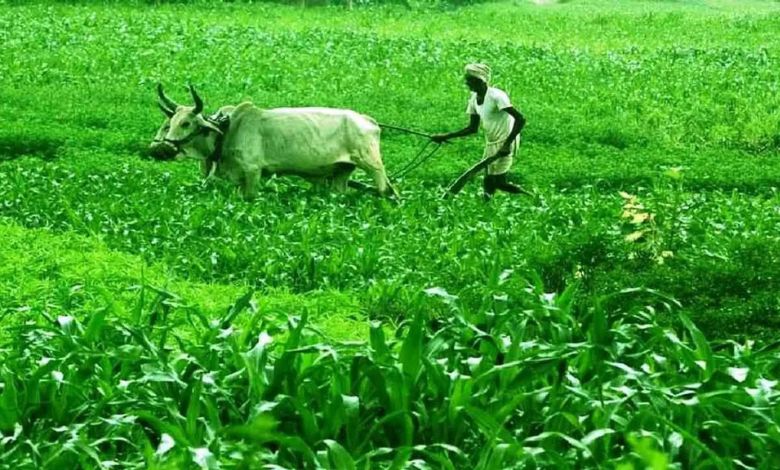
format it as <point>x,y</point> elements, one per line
<point>299,241</point>
<point>525,332</point>
<point>550,382</point>
<point>577,161</point>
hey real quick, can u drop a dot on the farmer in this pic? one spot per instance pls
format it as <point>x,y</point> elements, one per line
<point>501,122</point>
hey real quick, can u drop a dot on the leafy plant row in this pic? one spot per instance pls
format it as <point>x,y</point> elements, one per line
<point>552,382</point>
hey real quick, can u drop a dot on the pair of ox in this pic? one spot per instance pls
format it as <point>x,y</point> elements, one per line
<point>245,143</point>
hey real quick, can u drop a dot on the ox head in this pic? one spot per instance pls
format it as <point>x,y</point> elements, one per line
<point>185,131</point>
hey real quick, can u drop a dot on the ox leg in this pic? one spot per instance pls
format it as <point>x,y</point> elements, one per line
<point>249,185</point>
<point>318,183</point>
<point>382,183</point>
<point>369,159</point>
<point>341,174</point>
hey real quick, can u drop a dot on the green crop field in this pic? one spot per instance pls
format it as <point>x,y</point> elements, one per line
<point>627,315</point>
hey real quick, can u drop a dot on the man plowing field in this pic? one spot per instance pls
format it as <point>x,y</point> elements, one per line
<point>501,123</point>
<point>243,143</point>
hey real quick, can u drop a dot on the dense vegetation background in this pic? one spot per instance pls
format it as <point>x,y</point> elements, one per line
<point>652,143</point>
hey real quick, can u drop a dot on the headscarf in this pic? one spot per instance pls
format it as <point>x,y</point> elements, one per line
<point>480,71</point>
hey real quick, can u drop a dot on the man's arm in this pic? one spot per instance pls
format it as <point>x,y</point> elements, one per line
<point>516,128</point>
<point>472,128</point>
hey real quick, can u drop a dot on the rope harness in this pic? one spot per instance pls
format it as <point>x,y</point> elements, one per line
<point>222,121</point>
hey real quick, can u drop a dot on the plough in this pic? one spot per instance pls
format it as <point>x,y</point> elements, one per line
<point>457,185</point>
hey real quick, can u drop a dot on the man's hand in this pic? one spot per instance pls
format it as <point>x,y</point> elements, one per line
<point>440,138</point>
<point>504,151</point>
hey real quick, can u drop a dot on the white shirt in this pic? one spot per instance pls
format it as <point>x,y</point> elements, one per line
<point>495,121</point>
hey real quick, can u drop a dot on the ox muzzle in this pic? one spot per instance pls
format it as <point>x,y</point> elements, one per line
<point>167,149</point>
<point>162,150</point>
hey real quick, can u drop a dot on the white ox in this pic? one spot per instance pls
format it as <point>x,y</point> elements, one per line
<point>242,143</point>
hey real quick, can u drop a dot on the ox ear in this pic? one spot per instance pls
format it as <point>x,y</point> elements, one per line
<point>210,125</point>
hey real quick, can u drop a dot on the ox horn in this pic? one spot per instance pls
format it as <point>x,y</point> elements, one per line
<point>197,100</point>
<point>165,110</point>
<point>166,102</point>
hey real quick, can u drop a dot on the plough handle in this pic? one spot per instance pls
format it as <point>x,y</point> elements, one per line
<point>459,183</point>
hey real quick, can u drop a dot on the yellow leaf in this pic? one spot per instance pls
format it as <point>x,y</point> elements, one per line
<point>640,217</point>
<point>625,195</point>
<point>675,172</point>
<point>634,236</point>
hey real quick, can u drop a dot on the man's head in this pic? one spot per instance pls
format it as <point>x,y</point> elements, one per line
<point>477,77</point>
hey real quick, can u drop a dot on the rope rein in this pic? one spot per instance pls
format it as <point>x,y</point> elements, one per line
<point>420,157</point>
<point>418,160</point>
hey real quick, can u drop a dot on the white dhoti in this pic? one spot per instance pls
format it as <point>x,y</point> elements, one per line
<point>502,165</point>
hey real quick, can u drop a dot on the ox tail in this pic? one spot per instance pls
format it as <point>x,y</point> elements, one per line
<point>383,185</point>
<point>369,159</point>
<point>392,192</point>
